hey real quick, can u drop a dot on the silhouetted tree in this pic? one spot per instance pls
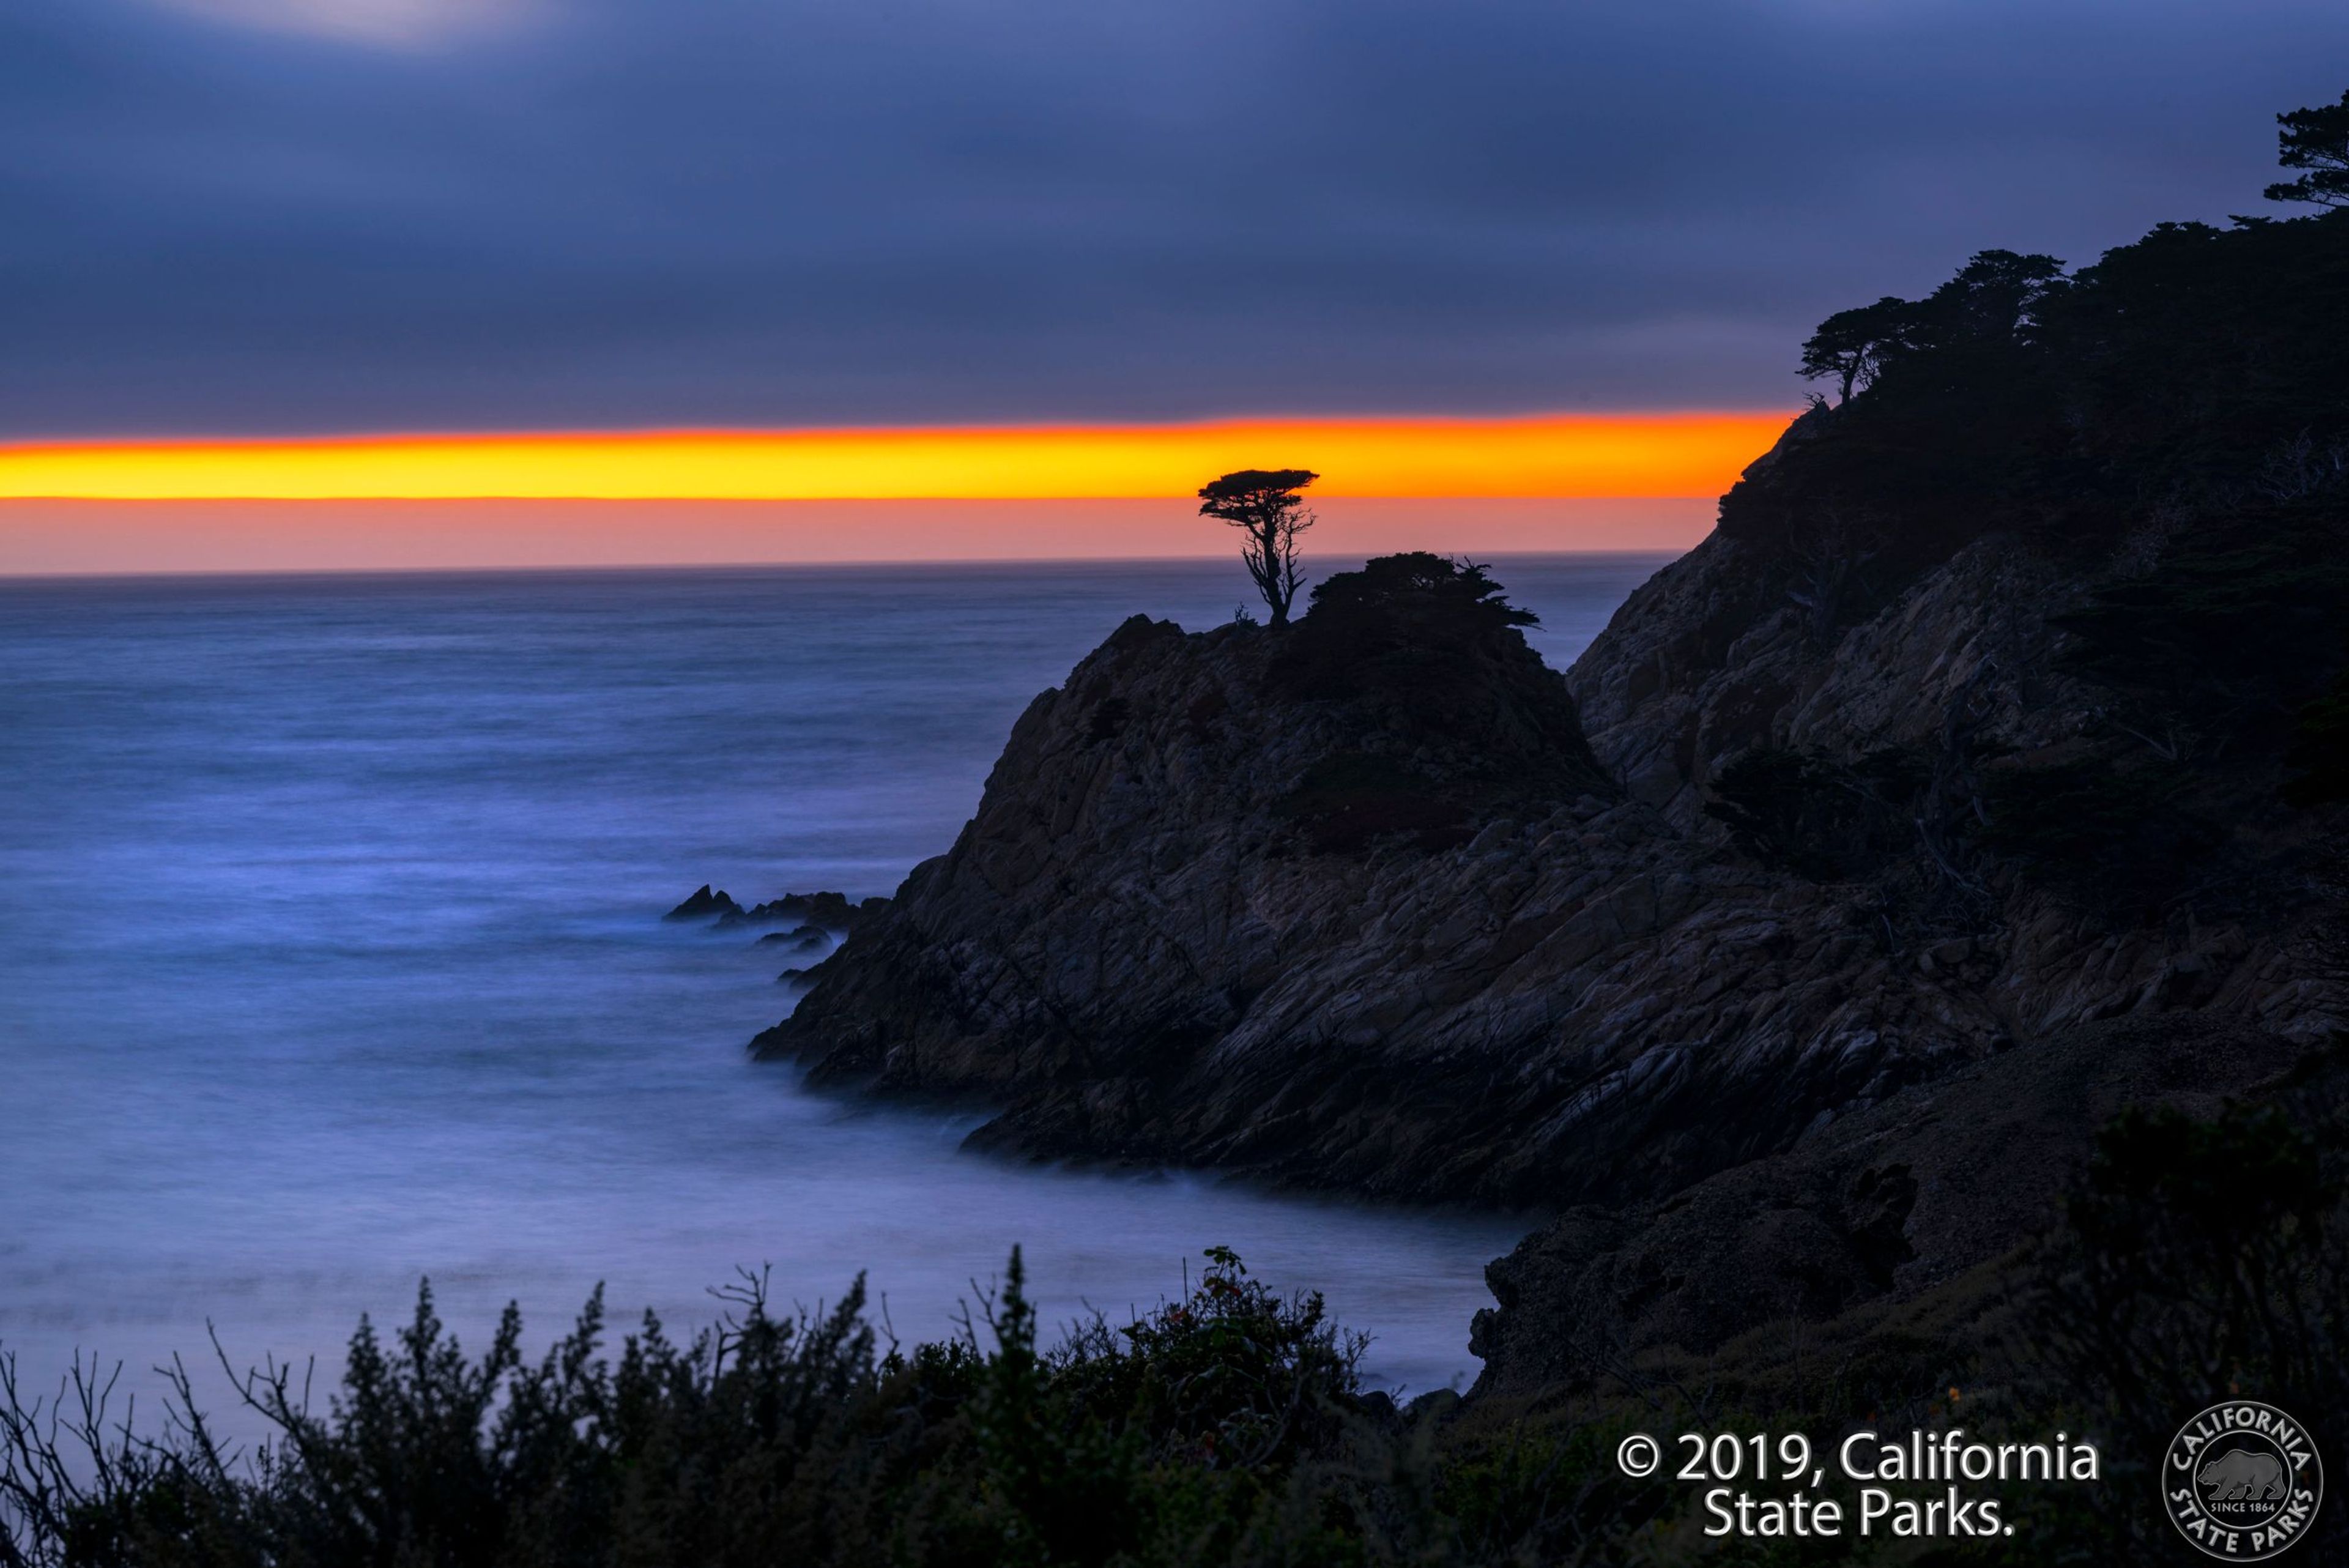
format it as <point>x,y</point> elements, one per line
<point>1419,596</point>
<point>1993,301</point>
<point>2317,139</point>
<point>1851,346</point>
<point>1265,505</point>
<point>1993,304</point>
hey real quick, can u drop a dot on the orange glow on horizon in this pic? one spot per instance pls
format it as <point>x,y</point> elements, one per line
<point>1532,456</point>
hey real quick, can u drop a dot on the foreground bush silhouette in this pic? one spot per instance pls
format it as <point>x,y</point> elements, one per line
<point>1228,1426</point>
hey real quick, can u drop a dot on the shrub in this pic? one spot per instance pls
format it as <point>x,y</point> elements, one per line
<point>1412,627</point>
<point>768,1438</point>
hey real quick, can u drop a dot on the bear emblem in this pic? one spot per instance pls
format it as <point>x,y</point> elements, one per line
<point>2239,1473</point>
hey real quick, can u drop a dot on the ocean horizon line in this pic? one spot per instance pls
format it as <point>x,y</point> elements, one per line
<point>99,538</point>
<point>973,564</point>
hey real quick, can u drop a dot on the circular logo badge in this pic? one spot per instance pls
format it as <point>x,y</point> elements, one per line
<point>2242,1480</point>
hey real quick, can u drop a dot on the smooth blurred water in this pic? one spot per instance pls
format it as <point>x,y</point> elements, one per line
<point>330,956</point>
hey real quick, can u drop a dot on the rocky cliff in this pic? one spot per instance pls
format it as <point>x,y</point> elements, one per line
<point>1984,770</point>
<point>1373,912</point>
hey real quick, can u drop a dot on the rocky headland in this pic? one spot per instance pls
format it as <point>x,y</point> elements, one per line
<point>1790,947</point>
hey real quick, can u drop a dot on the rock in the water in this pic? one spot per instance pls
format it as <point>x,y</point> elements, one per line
<point>800,940</point>
<point>824,911</point>
<point>702,904</point>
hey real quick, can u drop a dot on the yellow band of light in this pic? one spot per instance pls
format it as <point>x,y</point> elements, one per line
<point>1541,455</point>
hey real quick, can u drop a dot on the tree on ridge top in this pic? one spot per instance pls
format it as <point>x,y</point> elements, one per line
<point>1851,346</point>
<point>2317,139</point>
<point>1266,507</point>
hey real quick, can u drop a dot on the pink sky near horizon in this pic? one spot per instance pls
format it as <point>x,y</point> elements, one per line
<point>48,538</point>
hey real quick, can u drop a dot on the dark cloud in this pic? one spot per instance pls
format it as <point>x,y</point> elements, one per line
<point>266,215</point>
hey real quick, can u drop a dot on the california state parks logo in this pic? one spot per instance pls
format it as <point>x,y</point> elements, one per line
<point>2242,1480</point>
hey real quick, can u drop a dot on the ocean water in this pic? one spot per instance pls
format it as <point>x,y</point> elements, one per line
<point>331,958</point>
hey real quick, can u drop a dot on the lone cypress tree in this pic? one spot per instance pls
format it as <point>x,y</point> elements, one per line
<point>1265,505</point>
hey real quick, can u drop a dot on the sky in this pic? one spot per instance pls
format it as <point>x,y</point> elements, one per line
<point>248,219</point>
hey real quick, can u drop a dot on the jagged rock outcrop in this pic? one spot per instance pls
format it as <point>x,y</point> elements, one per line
<point>1719,652</point>
<point>703,903</point>
<point>820,912</point>
<point>1965,675</point>
<point>1243,898</point>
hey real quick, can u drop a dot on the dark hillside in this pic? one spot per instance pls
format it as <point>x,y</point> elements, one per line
<point>2197,368</point>
<point>1991,709</point>
<point>1992,740</point>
